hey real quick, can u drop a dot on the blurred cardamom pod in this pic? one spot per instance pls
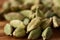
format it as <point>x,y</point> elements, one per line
<point>27,13</point>
<point>26,21</point>
<point>13,16</point>
<point>33,24</point>
<point>34,34</point>
<point>46,34</point>
<point>6,6</point>
<point>56,7</point>
<point>45,23</point>
<point>19,32</point>
<point>26,2</point>
<point>17,24</point>
<point>55,23</point>
<point>49,14</point>
<point>14,6</point>
<point>8,29</point>
<point>47,3</point>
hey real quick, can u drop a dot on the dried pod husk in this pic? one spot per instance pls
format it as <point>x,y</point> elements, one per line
<point>19,32</point>
<point>45,23</point>
<point>49,14</point>
<point>26,21</point>
<point>14,6</point>
<point>34,34</point>
<point>13,16</point>
<point>56,7</point>
<point>47,3</point>
<point>17,23</point>
<point>8,29</point>
<point>55,23</point>
<point>47,33</point>
<point>27,13</point>
<point>6,6</point>
<point>35,22</point>
<point>26,2</point>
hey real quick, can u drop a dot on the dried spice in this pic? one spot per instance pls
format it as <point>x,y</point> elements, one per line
<point>13,16</point>
<point>27,13</point>
<point>47,33</point>
<point>55,23</point>
<point>19,32</point>
<point>33,24</point>
<point>34,34</point>
<point>26,21</point>
<point>45,23</point>
<point>17,23</point>
<point>8,29</point>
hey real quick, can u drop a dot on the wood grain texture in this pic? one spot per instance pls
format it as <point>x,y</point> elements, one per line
<point>55,36</point>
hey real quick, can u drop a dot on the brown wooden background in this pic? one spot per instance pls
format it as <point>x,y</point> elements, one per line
<point>55,36</point>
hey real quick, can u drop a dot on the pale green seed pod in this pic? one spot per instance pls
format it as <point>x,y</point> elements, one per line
<point>8,29</point>
<point>34,34</point>
<point>55,23</point>
<point>19,32</point>
<point>45,23</point>
<point>33,24</point>
<point>6,6</point>
<point>27,13</point>
<point>47,3</point>
<point>17,24</point>
<point>47,33</point>
<point>13,16</point>
<point>26,21</point>
<point>14,5</point>
<point>26,2</point>
<point>49,14</point>
<point>56,7</point>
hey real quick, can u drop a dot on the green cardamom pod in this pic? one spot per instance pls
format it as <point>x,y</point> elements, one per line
<point>6,6</point>
<point>46,34</point>
<point>45,23</point>
<point>49,14</point>
<point>56,7</point>
<point>26,21</point>
<point>33,24</point>
<point>27,13</point>
<point>8,29</point>
<point>13,16</point>
<point>19,32</point>
<point>14,5</point>
<point>47,3</point>
<point>34,34</point>
<point>17,24</point>
<point>55,23</point>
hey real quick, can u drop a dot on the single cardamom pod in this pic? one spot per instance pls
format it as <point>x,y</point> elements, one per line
<point>56,7</point>
<point>47,33</point>
<point>8,29</point>
<point>19,32</point>
<point>49,14</point>
<point>26,21</point>
<point>17,23</point>
<point>47,3</point>
<point>6,6</point>
<point>13,16</point>
<point>34,34</point>
<point>27,13</point>
<point>14,5</point>
<point>45,23</point>
<point>55,23</point>
<point>33,24</point>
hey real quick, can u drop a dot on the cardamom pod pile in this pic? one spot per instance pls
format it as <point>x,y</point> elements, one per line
<point>34,18</point>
